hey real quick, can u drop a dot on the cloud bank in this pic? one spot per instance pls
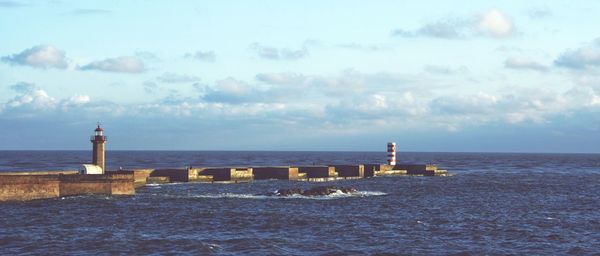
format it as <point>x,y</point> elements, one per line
<point>585,57</point>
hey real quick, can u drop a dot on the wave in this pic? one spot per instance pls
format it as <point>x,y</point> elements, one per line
<point>336,195</point>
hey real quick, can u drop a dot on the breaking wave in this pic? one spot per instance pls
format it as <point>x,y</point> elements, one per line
<point>338,194</point>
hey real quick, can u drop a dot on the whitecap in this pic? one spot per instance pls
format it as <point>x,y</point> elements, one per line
<point>338,194</point>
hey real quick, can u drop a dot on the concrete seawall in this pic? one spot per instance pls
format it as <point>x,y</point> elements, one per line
<point>99,184</point>
<point>227,174</point>
<point>318,172</point>
<point>175,175</point>
<point>350,171</point>
<point>279,173</point>
<point>30,187</point>
<point>54,172</point>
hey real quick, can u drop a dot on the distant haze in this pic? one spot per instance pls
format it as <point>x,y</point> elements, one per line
<point>492,76</point>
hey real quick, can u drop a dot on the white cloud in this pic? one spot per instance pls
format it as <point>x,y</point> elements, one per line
<point>492,23</point>
<point>584,57</point>
<point>273,53</point>
<point>78,99</point>
<point>444,29</point>
<point>286,78</point>
<point>444,70</point>
<point>234,91</point>
<point>33,101</point>
<point>524,63</point>
<point>42,56</point>
<point>125,64</point>
<point>29,98</point>
<point>207,56</point>
<point>177,78</point>
<point>496,24</point>
<point>364,47</point>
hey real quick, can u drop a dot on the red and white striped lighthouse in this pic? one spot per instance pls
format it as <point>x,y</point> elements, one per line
<point>391,153</point>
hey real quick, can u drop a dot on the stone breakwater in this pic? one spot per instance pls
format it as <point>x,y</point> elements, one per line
<point>23,186</point>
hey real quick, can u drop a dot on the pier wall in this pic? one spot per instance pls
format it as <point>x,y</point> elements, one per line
<point>175,175</point>
<point>280,173</point>
<point>346,171</point>
<point>417,169</point>
<point>371,169</point>
<point>97,184</point>
<point>318,171</point>
<point>195,175</point>
<point>30,187</point>
<point>52,172</point>
<point>140,176</point>
<point>84,185</point>
<point>228,174</point>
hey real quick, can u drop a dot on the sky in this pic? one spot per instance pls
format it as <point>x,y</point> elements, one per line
<point>442,76</point>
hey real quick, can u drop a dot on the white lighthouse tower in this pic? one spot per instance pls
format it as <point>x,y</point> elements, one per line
<point>391,153</point>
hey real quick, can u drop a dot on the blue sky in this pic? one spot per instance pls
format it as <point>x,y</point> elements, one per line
<point>499,76</point>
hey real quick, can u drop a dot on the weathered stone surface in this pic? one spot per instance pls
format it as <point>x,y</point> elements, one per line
<point>280,173</point>
<point>242,174</point>
<point>175,175</point>
<point>371,169</point>
<point>157,180</point>
<point>30,187</point>
<point>350,170</point>
<point>318,171</point>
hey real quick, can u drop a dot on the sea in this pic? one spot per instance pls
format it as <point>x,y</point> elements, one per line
<point>493,204</point>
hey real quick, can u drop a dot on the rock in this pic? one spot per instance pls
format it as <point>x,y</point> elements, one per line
<point>316,191</point>
<point>290,191</point>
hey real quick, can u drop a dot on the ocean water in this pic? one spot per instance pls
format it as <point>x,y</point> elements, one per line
<point>494,204</point>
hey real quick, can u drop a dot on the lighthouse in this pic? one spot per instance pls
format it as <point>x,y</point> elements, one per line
<point>98,140</point>
<point>391,153</point>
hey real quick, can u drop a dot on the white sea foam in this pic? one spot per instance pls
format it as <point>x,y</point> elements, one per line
<point>336,195</point>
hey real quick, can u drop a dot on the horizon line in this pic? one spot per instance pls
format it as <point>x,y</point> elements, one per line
<point>348,151</point>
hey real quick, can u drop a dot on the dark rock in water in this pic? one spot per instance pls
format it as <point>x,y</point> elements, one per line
<point>289,192</point>
<point>316,191</point>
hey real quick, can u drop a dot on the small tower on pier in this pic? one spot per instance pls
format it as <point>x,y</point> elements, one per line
<point>391,153</point>
<point>98,140</point>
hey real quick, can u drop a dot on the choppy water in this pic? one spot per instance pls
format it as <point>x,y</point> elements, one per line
<point>495,204</point>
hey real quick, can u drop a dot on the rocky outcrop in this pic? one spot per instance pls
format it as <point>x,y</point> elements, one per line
<point>316,191</point>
